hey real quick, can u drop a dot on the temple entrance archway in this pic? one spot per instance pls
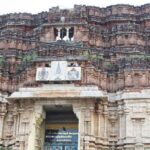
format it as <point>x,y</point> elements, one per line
<point>61,128</point>
<point>84,106</point>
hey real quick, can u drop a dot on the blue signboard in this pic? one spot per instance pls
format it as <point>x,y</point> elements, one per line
<point>61,139</point>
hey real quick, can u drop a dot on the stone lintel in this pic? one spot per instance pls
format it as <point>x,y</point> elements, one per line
<point>58,91</point>
<point>127,95</point>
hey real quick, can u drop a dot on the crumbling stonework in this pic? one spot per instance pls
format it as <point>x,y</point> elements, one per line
<point>112,47</point>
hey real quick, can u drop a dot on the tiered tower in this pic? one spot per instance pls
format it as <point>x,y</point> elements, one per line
<point>111,46</point>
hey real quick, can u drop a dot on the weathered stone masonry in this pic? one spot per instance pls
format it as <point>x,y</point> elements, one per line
<point>111,45</point>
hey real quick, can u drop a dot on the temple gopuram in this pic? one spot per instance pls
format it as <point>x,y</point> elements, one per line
<point>75,79</point>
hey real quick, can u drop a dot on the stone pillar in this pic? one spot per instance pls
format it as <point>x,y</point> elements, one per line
<point>127,122</point>
<point>92,134</point>
<point>79,113</point>
<point>66,38</point>
<point>58,36</point>
<point>138,122</point>
<point>39,117</point>
<point>1,125</point>
<point>87,134</point>
<point>9,121</point>
<point>67,34</point>
<point>86,129</point>
<point>92,112</point>
<point>87,126</point>
<point>100,122</point>
<point>120,113</point>
<point>35,139</point>
<point>20,134</point>
<point>148,118</point>
<point>31,139</point>
<point>3,111</point>
<point>15,114</point>
<point>105,113</point>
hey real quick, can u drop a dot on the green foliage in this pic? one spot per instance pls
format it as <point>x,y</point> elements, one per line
<point>141,57</point>
<point>92,56</point>
<point>109,66</point>
<point>85,53</point>
<point>147,57</point>
<point>29,57</point>
<point>26,59</point>
<point>100,57</point>
<point>18,68</point>
<point>137,56</point>
<point>96,57</point>
<point>34,56</point>
<point>2,59</point>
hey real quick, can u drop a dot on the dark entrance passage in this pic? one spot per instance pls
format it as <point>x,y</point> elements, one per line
<point>61,129</point>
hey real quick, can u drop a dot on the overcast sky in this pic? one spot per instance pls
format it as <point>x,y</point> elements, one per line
<point>35,6</point>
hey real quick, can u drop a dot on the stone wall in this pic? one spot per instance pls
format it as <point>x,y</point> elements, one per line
<point>112,47</point>
<point>116,121</point>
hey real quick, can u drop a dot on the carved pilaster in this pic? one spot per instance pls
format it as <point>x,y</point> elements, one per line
<point>3,111</point>
<point>113,119</point>
<point>99,113</point>
<point>9,121</point>
<point>148,110</point>
<point>39,117</point>
<point>1,127</point>
<point>126,112</point>
<point>120,113</point>
<point>105,114</point>
<point>85,116</point>
<point>79,113</point>
<point>138,122</point>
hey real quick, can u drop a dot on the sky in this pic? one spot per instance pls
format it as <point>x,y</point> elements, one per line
<point>35,6</point>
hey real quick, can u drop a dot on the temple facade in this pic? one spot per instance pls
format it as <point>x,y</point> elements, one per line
<point>75,79</point>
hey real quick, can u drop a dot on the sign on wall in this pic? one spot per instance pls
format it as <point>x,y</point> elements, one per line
<point>73,73</point>
<point>61,139</point>
<point>43,74</point>
<point>59,71</point>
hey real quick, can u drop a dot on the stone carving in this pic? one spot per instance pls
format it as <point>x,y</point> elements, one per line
<point>9,122</point>
<point>113,54</point>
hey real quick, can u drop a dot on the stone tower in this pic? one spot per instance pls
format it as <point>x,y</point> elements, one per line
<point>75,79</point>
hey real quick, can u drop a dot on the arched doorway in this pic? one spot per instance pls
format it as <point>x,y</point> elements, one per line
<point>61,128</point>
